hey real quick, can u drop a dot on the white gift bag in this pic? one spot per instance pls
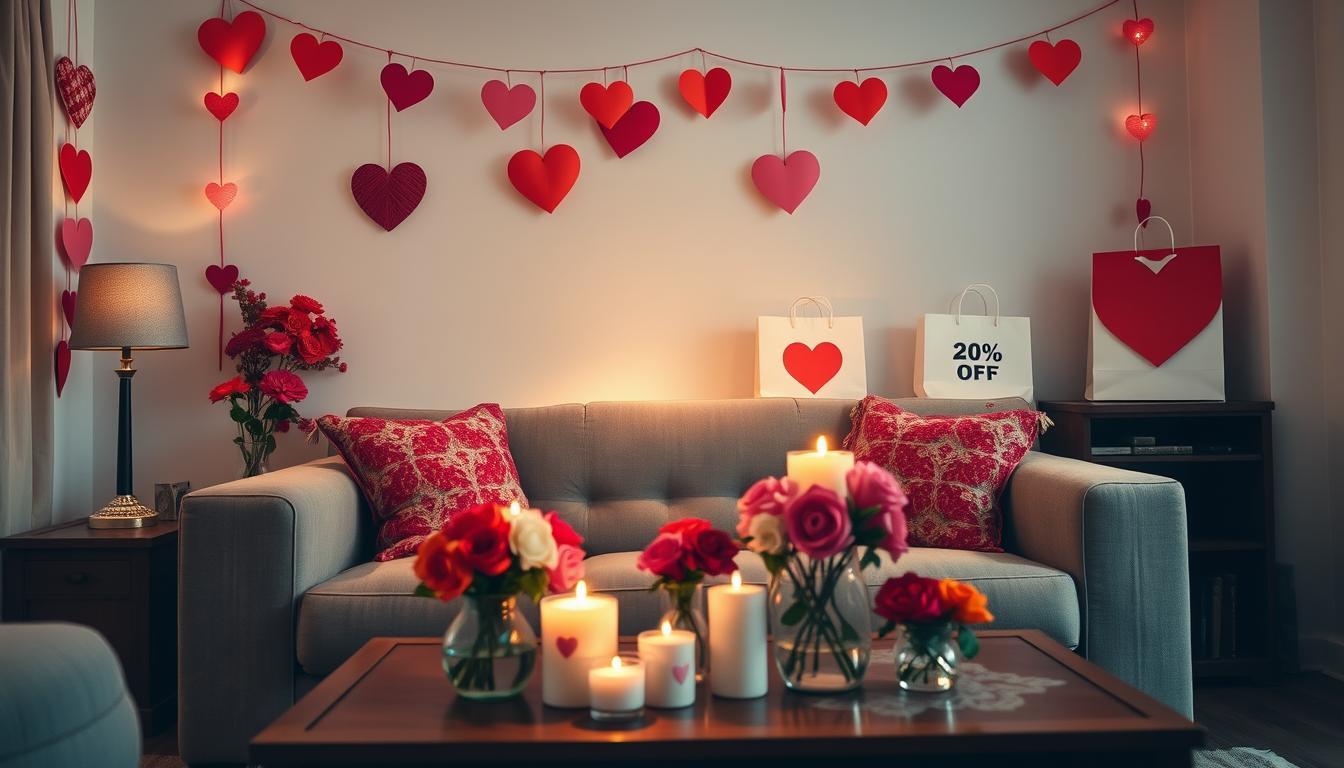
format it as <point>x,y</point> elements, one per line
<point>973,356</point>
<point>800,356</point>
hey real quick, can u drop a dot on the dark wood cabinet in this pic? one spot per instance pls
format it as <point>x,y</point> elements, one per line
<point>1226,466</point>
<point>122,583</point>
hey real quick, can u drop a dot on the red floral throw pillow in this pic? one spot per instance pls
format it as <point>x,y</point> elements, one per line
<point>953,467</point>
<point>418,473</point>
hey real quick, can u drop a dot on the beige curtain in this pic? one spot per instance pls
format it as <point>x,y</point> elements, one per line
<point>27,306</point>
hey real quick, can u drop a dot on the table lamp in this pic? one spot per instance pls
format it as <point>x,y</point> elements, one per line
<point>125,307</point>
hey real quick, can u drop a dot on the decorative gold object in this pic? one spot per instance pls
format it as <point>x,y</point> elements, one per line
<point>124,512</point>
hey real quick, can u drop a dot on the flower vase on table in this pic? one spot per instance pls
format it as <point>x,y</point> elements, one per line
<point>933,616</point>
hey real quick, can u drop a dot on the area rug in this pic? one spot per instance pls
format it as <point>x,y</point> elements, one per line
<point>1238,757</point>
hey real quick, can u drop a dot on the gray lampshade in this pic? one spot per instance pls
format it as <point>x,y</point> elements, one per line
<point>129,305</point>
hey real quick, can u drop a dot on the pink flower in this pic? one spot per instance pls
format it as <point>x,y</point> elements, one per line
<point>277,342</point>
<point>818,523</point>
<point>568,569</point>
<point>663,557</point>
<point>872,486</point>
<point>764,497</point>
<point>284,386</point>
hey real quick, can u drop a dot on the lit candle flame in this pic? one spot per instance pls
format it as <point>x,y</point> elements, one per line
<point>615,662</point>
<point>581,590</point>
<point>515,509</point>
<point>737,579</point>
<point>667,628</point>
<point>821,445</point>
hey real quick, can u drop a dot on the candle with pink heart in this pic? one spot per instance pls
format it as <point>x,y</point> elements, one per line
<point>578,633</point>
<point>669,666</point>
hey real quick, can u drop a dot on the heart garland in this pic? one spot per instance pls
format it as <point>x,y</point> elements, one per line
<point>1140,126</point>
<point>232,44</point>
<point>405,89</point>
<point>507,105</point>
<point>221,106</point>
<point>221,195</point>
<point>68,299</point>
<point>545,180</point>
<point>314,59</point>
<point>76,87</point>
<point>388,197</point>
<point>76,242</point>
<point>62,365</point>
<point>1137,31</point>
<point>1143,208</point>
<point>957,85</point>
<point>786,183</point>
<point>607,103</point>
<point>76,170</point>
<point>1056,61</point>
<point>634,128</point>
<point>221,278</point>
<point>707,91</point>
<point>860,101</point>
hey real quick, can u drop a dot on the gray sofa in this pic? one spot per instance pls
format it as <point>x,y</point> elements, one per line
<point>277,586</point>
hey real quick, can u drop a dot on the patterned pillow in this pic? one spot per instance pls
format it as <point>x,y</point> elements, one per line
<point>418,473</point>
<point>953,467</point>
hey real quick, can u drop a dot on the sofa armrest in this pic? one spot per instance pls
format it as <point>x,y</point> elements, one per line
<point>1122,537</point>
<point>249,550</point>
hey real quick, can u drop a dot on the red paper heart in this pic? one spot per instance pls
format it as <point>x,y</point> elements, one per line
<point>76,170</point>
<point>1143,209</point>
<point>76,242</point>
<point>860,101</point>
<point>406,89</point>
<point>633,129</point>
<point>1157,313</point>
<point>812,367</point>
<point>508,105</point>
<point>545,180</point>
<point>566,645</point>
<point>314,59</point>
<point>221,278</point>
<point>232,44</point>
<point>705,92</point>
<point>957,85</point>
<point>1056,61</point>
<point>68,299</point>
<point>221,106</point>
<point>75,84</point>
<point>388,198</point>
<point>221,195</point>
<point>62,365</point>
<point>1139,126</point>
<point>1138,32</point>
<point>680,672</point>
<point>786,183</point>
<point>607,103</point>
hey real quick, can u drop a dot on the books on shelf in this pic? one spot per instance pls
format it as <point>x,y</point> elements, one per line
<point>1163,450</point>
<point>1112,450</point>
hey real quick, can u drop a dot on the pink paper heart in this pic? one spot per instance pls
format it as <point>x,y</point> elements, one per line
<point>405,89</point>
<point>786,183</point>
<point>634,128</point>
<point>221,195</point>
<point>62,365</point>
<point>76,242</point>
<point>68,299</point>
<point>566,645</point>
<point>957,85</point>
<point>508,105</point>
<point>222,278</point>
<point>680,671</point>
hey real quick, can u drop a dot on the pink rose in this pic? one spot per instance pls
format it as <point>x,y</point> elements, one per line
<point>663,557</point>
<point>818,523</point>
<point>764,497</point>
<point>277,342</point>
<point>568,569</point>
<point>872,486</point>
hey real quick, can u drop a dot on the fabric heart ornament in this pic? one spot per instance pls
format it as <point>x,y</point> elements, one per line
<point>314,59</point>
<point>221,106</point>
<point>1139,126</point>
<point>221,278</point>
<point>221,195</point>
<point>405,89</point>
<point>705,92</point>
<point>232,44</point>
<point>76,170</point>
<point>813,367</point>
<point>860,101</point>
<point>76,87</point>
<point>566,645</point>
<point>786,183</point>
<point>388,198</point>
<point>607,103</point>
<point>1056,61</point>
<point>68,299</point>
<point>62,365</point>
<point>1137,31</point>
<point>1143,209</point>
<point>958,85</point>
<point>1157,310</point>
<point>545,180</point>
<point>634,128</point>
<point>76,242</point>
<point>507,105</point>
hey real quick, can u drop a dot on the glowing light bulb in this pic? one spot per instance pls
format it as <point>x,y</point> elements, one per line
<point>581,590</point>
<point>821,445</point>
<point>737,579</point>
<point>667,628</point>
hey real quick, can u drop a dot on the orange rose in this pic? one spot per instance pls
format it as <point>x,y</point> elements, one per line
<point>440,566</point>
<point>965,603</point>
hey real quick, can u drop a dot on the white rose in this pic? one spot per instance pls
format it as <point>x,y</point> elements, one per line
<point>531,540</point>
<point>767,535</point>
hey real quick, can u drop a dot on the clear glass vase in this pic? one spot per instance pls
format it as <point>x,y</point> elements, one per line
<point>927,657</point>
<point>821,622</point>
<point>681,609</point>
<point>256,455</point>
<point>490,650</point>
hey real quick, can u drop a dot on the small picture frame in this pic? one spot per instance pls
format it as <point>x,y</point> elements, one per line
<point>168,498</point>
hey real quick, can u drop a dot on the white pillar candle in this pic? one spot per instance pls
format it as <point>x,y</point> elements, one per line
<point>618,688</point>
<point>737,650</point>
<point>578,633</point>
<point>821,467</point>
<point>668,656</point>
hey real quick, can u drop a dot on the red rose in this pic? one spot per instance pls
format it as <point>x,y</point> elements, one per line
<point>663,557</point>
<point>298,323</point>
<point>273,316</point>
<point>714,551</point>
<point>309,349</point>
<point>303,303</point>
<point>244,341</point>
<point>483,536</point>
<point>439,566</point>
<point>234,386</point>
<point>283,386</point>
<point>686,525</point>
<point>909,598</point>
<point>328,339</point>
<point>562,532</point>
<point>277,342</point>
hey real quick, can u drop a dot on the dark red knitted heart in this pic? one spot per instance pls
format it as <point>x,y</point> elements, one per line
<point>388,198</point>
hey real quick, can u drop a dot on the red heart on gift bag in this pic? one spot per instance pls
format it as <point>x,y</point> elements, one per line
<point>507,105</point>
<point>634,128</point>
<point>705,92</point>
<point>68,299</point>
<point>76,242</point>
<point>405,89</point>
<point>1138,31</point>
<point>545,180</point>
<point>221,278</point>
<point>1157,313</point>
<point>812,367</point>
<point>388,198</point>
<point>221,195</point>
<point>957,85</point>
<point>607,103</point>
<point>786,183</point>
<point>62,365</point>
<point>314,59</point>
<point>1139,126</point>
<point>1056,61</point>
<point>76,170</point>
<point>75,84</point>
<point>860,101</point>
<point>566,645</point>
<point>232,44</point>
<point>221,106</point>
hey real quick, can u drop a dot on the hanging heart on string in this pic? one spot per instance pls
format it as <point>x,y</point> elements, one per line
<point>62,365</point>
<point>406,89</point>
<point>221,106</point>
<point>221,195</point>
<point>221,278</point>
<point>957,85</point>
<point>68,299</point>
<point>75,84</point>
<point>76,170</point>
<point>1143,209</point>
<point>1056,61</point>
<point>786,183</point>
<point>388,198</point>
<point>76,242</point>
<point>508,105</point>
<point>1139,126</point>
<point>545,180</point>
<point>607,103</point>
<point>633,129</point>
<point>232,44</point>
<point>705,92</point>
<point>314,59</point>
<point>1138,31</point>
<point>860,101</point>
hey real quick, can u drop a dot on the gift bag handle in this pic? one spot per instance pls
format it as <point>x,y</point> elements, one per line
<point>975,288</point>
<point>822,304</point>
<point>1170,231</point>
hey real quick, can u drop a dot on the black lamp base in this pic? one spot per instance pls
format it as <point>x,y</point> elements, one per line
<point>124,512</point>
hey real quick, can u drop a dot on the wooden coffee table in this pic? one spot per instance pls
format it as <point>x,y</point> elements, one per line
<point>1025,700</point>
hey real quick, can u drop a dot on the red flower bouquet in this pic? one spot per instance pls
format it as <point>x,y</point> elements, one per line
<point>683,553</point>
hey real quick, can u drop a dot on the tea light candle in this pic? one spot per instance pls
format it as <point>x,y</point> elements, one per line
<point>821,467</point>
<point>616,692</point>
<point>668,656</point>
<point>737,650</point>
<point>578,633</point>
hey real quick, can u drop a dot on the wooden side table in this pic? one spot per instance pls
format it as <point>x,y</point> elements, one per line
<point>122,583</point>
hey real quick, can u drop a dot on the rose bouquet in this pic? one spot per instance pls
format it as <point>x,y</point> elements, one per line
<point>930,612</point>
<point>683,553</point>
